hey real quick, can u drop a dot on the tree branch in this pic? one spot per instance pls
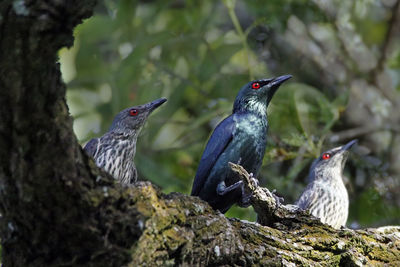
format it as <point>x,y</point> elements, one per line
<point>184,230</point>
<point>269,211</point>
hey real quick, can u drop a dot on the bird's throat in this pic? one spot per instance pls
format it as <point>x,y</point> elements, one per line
<point>252,105</point>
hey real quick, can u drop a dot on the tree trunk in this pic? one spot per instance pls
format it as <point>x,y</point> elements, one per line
<point>58,208</point>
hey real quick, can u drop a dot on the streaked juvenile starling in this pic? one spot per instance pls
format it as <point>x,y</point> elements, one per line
<point>115,150</point>
<point>326,196</point>
<point>240,138</point>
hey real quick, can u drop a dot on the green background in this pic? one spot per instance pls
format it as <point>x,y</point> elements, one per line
<point>198,54</point>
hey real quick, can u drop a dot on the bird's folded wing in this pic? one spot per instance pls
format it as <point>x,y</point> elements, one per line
<point>219,140</point>
<point>91,146</point>
<point>310,197</point>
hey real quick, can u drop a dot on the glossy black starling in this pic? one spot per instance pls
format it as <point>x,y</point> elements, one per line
<point>115,150</point>
<point>240,138</point>
<point>326,196</point>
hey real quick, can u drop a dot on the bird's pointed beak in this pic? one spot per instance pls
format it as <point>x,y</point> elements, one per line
<point>349,145</point>
<point>156,103</point>
<point>274,85</point>
<point>276,82</point>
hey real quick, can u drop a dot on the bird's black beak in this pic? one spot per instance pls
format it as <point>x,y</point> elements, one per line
<point>276,82</point>
<point>349,145</point>
<point>156,103</point>
<point>274,85</point>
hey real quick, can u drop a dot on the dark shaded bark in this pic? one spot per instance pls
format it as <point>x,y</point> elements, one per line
<point>59,209</point>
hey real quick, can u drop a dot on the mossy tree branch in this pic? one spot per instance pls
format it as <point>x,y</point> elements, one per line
<point>58,208</point>
<point>269,211</point>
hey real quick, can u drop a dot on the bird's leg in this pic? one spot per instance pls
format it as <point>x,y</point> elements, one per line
<point>245,199</point>
<point>244,202</point>
<point>222,189</point>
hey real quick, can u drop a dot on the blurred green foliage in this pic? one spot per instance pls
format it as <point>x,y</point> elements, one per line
<point>198,54</point>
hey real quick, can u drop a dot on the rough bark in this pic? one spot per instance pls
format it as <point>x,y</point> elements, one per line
<point>59,209</point>
<point>185,230</point>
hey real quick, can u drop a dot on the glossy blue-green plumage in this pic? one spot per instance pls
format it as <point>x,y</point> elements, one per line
<point>240,138</point>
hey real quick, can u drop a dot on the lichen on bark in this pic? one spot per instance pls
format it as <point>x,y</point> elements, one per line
<point>185,230</point>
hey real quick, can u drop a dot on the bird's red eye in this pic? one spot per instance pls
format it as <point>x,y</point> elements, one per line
<point>326,156</point>
<point>133,112</point>
<point>255,86</point>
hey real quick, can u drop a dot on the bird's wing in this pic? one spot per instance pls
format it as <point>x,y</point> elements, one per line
<point>219,140</point>
<point>91,146</point>
<point>310,196</point>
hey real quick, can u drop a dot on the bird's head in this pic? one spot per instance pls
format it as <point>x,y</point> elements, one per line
<point>131,120</point>
<point>330,163</point>
<point>256,95</point>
